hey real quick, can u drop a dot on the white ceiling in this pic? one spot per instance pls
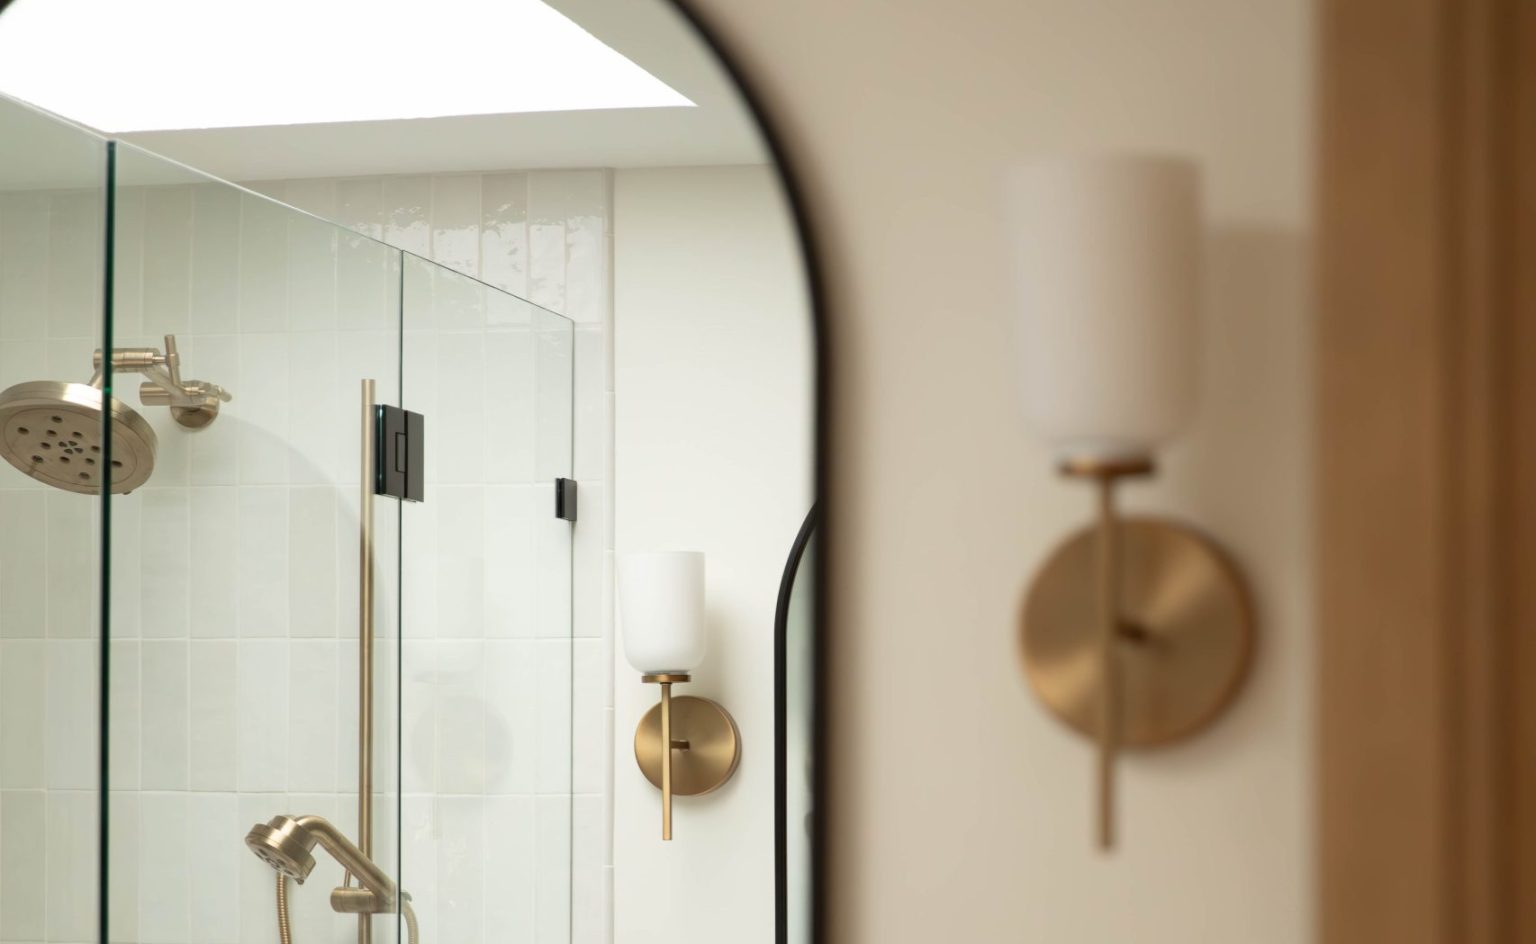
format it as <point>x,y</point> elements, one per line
<point>718,130</point>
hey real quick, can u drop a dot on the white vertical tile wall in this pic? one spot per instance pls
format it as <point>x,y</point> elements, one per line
<point>233,686</point>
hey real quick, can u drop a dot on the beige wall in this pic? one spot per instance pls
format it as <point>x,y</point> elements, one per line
<point>961,811</point>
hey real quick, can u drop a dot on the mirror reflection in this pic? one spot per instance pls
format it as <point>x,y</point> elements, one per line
<point>409,457</point>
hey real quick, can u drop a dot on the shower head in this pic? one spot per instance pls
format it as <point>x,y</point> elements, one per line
<point>284,845</point>
<point>52,431</point>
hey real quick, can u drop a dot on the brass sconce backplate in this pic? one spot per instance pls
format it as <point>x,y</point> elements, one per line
<point>706,747</point>
<point>1186,633</point>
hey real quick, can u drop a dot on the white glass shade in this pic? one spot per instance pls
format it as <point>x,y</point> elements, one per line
<point>661,605</point>
<point>1106,253</point>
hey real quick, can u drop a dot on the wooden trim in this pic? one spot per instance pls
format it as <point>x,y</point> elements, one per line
<point>1426,488</point>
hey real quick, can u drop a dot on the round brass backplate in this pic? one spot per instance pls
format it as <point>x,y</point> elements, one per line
<point>714,745</point>
<point>1186,639</point>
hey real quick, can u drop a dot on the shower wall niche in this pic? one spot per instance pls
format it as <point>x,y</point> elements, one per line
<point>232,610</point>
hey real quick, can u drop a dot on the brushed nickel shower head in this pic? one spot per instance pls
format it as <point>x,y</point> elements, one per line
<point>53,432</point>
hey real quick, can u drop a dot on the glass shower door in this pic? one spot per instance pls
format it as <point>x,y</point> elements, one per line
<point>486,615</point>
<point>52,313</point>
<point>235,610</point>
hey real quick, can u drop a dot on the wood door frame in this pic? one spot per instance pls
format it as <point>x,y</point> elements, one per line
<point>1426,472</point>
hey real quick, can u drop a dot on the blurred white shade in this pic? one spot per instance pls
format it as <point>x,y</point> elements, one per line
<point>1106,252</point>
<point>661,604</point>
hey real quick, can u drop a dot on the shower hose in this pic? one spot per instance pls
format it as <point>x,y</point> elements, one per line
<point>285,934</point>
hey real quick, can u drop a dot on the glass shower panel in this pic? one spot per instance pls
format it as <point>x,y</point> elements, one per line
<point>52,247</point>
<point>235,567</point>
<point>486,615</point>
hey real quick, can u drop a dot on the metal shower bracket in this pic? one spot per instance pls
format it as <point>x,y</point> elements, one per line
<point>194,403</point>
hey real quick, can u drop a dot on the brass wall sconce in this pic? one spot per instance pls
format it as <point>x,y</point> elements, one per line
<point>685,746</point>
<point>1136,632</point>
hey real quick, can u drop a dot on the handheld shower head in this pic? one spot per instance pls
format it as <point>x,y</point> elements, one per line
<point>284,845</point>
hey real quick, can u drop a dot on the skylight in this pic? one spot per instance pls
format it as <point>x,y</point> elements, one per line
<point>168,64</point>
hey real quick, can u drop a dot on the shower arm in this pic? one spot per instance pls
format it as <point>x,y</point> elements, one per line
<point>165,386</point>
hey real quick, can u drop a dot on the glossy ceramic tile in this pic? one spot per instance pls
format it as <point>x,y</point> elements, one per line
<point>23,693</point>
<point>215,260</point>
<point>587,548</point>
<point>589,742</point>
<point>461,868</point>
<point>512,867</point>
<point>24,265</point>
<point>262,705</point>
<point>213,721</point>
<point>589,917</point>
<point>214,541</point>
<point>263,291</point>
<point>122,866</point>
<point>312,253</point>
<point>213,889</point>
<point>461,571</point>
<point>164,714</point>
<point>456,220</point>
<point>126,722</point>
<point>460,715</point>
<point>312,715</point>
<point>510,384</point>
<point>408,214</point>
<point>164,562</point>
<point>74,263</point>
<point>164,868</point>
<point>360,205</point>
<point>314,561</point>
<point>215,450</point>
<point>23,886</point>
<point>509,569</point>
<point>504,231</point>
<point>167,260</point>
<point>552,884</point>
<point>73,680</point>
<point>22,568</point>
<point>262,601</point>
<point>72,545</point>
<point>512,718</point>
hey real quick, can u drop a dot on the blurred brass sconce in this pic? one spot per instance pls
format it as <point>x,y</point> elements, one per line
<point>1135,632</point>
<point>685,746</point>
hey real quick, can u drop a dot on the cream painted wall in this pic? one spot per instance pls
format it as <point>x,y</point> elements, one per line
<point>961,811</point>
<point>712,452</point>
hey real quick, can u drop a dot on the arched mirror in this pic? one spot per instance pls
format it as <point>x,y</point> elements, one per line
<point>407,409</point>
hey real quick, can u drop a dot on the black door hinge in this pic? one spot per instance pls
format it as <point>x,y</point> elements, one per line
<point>565,499</point>
<point>399,444</point>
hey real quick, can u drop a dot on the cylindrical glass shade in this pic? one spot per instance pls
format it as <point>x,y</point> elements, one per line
<point>1107,258</point>
<point>661,604</point>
